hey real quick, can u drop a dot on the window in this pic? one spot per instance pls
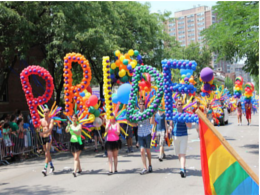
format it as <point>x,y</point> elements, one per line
<point>179,23</point>
<point>181,32</point>
<point>181,36</point>
<point>180,18</point>
<point>200,19</point>
<point>200,23</point>
<point>201,28</point>
<point>191,35</point>
<point>190,16</point>
<point>191,30</point>
<point>172,34</point>
<point>190,25</point>
<point>200,14</point>
<point>180,27</point>
<point>192,20</point>
<point>171,25</point>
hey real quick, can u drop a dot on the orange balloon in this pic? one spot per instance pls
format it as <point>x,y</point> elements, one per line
<point>127,56</point>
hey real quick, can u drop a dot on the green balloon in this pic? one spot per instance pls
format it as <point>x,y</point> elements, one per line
<point>136,53</point>
<point>112,71</point>
<point>91,110</point>
<point>125,62</point>
<point>96,113</point>
<point>124,79</point>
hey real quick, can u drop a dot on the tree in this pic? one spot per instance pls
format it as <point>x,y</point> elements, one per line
<point>22,28</point>
<point>236,34</point>
<point>94,29</point>
<point>201,56</point>
<point>229,84</point>
<point>256,83</point>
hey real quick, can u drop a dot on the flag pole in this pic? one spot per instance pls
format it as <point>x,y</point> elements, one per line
<point>227,146</point>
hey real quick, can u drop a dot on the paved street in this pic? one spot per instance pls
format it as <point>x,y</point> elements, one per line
<point>26,177</point>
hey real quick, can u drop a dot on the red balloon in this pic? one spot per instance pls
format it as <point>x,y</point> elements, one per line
<point>92,101</point>
<point>89,89</point>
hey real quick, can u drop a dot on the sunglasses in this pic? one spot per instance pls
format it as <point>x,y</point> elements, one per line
<point>180,104</point>
<point>141,104</point>
<point>46,112</point>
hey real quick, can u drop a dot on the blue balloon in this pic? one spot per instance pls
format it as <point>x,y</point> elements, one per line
<point>123,93</point>
<point>114,98</point>
<point>82,94</point>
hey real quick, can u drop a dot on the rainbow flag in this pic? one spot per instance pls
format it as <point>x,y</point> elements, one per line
<point>221,172</point>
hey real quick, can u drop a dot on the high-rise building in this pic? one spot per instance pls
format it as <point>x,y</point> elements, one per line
<point>237,68</point>
<point>186,26</point>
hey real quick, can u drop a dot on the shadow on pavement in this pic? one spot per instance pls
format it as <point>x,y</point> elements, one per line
<point>254,152</point>
<point>251,146</point>
<point>37,189</point>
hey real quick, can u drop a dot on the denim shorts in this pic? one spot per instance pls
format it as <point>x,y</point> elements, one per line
<point>145,142</point>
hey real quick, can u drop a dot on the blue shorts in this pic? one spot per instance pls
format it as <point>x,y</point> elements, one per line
<point>145,142</point>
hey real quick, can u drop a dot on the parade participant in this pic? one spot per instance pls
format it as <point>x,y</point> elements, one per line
<point>129,141</point>
<point>248,107</point>
<point>97,137</point>
<point>144,139</point>
<point>46,132</point>
<point>161,130</point>
<point>209,113</point>
<point>194,111</point>
<point>8,144</point>
<point>113,143</point>
<point>180,134</point>
<point>239,113</point>
<point>76,144</point>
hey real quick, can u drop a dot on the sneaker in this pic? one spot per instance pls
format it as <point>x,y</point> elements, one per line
<point>51,170</point>
<point>144,171</point>
<point>109,173</point>
<point>131,150</point>
<point>104,155</point>
<point>74,174</point>
<point>127,150</point>
<point>95,150</point>
<point>150,169</point>
<point>79,172</point>
<point>238,124</point>
<point>160,159</point>
<point>164,156</point>
<point>115,172</point>
<point>44,172</point>
<point>183,174</point>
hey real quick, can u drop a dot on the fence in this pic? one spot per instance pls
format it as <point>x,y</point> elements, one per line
<point>30,143</point>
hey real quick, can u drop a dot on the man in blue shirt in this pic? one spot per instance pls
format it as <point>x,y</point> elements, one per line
<point>180,138</point>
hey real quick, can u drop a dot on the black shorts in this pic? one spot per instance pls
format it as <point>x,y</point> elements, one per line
<point>46,140</point>
<point>75,147</point>
<point>113,145</point>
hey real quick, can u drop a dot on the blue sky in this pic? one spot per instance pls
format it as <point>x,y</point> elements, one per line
<point>174,6</point>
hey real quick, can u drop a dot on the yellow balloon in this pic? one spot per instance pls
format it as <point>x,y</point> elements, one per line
<point>211,82</point>
<point>132,64</point>
<point>117,53</point>
<point>135,62</point>
<point>96,106</point>
<point>87,95</point>
<point>113,66</point>
<point>122,73</point>
<point>131,52</point>
<point>91,117</point>
<point>122,58</point>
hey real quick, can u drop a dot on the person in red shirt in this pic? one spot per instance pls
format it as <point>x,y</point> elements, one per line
<point>194,111</point>
<point>248,107</point>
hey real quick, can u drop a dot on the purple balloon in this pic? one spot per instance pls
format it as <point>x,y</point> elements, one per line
<point>207,86</point>
<point>206,74</point>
